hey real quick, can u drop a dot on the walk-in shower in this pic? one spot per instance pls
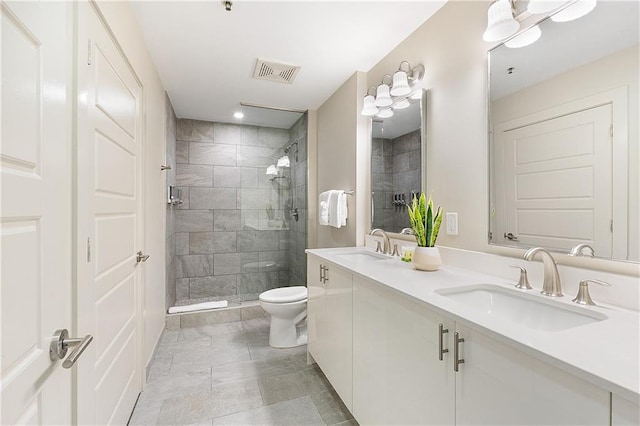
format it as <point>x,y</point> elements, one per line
<point>242,226</point>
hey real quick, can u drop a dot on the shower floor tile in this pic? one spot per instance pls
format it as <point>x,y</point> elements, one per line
<point>227,373</point>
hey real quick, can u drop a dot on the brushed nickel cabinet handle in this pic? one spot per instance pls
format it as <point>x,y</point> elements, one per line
<point>456,351</point>
<point>441,332</point>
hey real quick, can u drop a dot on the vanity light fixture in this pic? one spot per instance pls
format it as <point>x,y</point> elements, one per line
<point>574,11</point>
<point>500,21</point>
<point>383,96</point>
<point>402,84</point>
<point>525,38</point>
<point>368,105</point>
<point>239,115</point>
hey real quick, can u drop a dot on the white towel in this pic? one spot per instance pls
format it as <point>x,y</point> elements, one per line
<point>337,208</point>
<point>342,208</point>
<point>198,306</point>
<point>323,208</point>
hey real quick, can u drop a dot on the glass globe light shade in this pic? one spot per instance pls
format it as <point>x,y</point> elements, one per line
<point>500,21</point>
<point>383,98</point>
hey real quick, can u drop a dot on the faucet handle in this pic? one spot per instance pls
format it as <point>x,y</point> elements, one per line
<point>523,282</point>
<point>396,252</point>
<point>583,297</point>
<point>378,247</point>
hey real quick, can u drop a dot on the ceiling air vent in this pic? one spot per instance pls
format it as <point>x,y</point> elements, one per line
<point>275,71</point>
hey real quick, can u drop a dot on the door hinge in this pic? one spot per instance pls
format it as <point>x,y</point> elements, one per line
<point>88,249</point>
<point>88,52</point>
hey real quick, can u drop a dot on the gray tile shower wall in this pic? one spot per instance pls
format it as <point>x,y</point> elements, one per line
<point>171,156</point>
<point>395,165</point>
<point>233,233</point>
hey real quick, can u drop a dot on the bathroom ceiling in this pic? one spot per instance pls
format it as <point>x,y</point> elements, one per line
<point>206,56</point>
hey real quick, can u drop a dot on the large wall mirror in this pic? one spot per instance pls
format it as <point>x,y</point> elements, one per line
<point>564,141</point>
<point>396,162</point>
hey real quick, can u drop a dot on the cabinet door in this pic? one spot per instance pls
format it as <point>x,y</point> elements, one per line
<point>339,320</point>
<point>397,375</point>
<point>624,412</point>
<point>499,385</point>
<point>316,311</point>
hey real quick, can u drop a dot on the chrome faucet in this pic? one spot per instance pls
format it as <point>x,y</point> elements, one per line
<point>577,250</point>
<point>385,239</point>
<point>551,285</point>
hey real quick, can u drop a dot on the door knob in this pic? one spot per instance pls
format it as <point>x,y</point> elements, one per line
<point>141,257</point>
<point>60,342</point>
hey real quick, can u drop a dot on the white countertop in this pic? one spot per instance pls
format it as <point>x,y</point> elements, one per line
<point>605,353</point>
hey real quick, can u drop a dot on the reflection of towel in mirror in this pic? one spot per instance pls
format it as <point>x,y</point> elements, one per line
<point>337,208</point>
<point>323,208</point>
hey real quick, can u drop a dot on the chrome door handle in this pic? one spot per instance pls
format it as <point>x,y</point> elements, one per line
<point>456,351</point>
<point>60,342</point>
<point>441,332</point>
<point>141,257</point>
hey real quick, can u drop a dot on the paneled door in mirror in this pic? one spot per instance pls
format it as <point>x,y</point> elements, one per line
<point>563,134</point>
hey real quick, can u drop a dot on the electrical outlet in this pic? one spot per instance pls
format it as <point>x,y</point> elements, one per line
<point>452,223</point>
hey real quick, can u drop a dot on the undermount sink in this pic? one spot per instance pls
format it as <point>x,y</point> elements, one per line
<point>529,310</point>
<point>361,255</point>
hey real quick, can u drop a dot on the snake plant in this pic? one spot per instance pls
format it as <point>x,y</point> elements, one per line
<point>425,221</point>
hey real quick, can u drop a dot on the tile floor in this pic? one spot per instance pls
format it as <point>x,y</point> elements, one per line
<point>226,374</point>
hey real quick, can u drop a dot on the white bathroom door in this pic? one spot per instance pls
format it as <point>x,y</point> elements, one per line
<point>35,223</point>
<point>558,181</point>
<point>109,201</point>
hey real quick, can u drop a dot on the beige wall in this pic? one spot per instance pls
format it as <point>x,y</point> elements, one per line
<point>451,48</point>
<point>617,70</point>
<point>341,145</point>
<point>123,24</point>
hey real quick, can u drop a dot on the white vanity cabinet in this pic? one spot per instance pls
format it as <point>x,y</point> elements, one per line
<point>329,319</point>
<point>498,384</point>
<point>398,377</point>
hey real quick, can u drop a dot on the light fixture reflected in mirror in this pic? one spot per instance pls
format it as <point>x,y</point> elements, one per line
<point>500,21</point>
<point>385,113</point>
<point>525,38</point>
<point>402,104</point>
<point>272,170</point>
<point>574,11</point>
<point>543,6</point>
<point>283,161</point>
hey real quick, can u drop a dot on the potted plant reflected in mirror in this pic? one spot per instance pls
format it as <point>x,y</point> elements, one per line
<point>425,222</point>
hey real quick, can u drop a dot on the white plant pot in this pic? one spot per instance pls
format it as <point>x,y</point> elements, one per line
<point>426,258</point>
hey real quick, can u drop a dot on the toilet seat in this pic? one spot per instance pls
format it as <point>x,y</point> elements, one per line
<point>284,294</point>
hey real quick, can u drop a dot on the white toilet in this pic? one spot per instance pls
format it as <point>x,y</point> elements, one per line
<point>287,307</point>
